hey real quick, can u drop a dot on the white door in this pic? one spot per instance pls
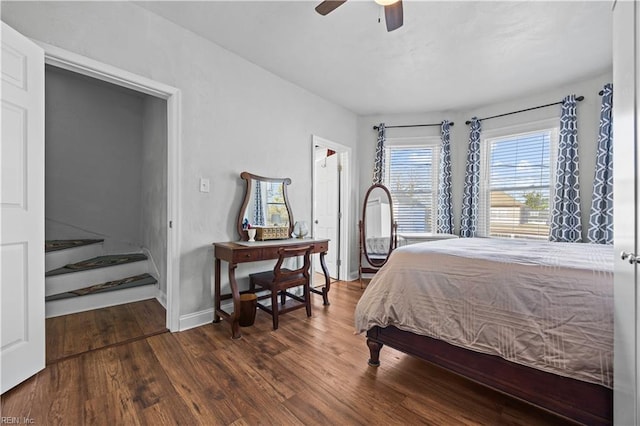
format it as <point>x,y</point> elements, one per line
<point>327,208</point>
<point>22,353</point>
<point>626,18</point>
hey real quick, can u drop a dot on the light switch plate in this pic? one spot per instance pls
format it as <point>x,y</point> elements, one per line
<point>204,185</point>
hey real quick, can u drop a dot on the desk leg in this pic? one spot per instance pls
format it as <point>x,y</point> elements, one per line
<point>327,280</point>
<point>235,316</point>
<point>216,292</point>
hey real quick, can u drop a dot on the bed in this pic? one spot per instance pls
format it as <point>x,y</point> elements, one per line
<point>532,319</point>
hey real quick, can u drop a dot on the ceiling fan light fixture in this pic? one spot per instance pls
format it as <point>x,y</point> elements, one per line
<point>393,14</point>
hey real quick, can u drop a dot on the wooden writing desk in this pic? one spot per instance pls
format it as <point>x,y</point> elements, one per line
<point>235,252</point>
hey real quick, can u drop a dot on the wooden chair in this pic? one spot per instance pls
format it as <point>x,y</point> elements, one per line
<point>280,279</point>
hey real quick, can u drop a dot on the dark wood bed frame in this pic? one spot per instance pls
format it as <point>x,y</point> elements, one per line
<point>579,401</point>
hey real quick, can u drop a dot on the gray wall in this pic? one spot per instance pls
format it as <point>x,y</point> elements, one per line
<point>93,156</point>
<point>236,116</point>
<point>588,119</point>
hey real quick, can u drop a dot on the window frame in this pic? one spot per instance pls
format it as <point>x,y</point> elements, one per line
<point>486,138</point>
<point>431,142</point>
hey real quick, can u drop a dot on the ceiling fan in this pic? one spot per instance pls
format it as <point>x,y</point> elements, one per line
<point>392,11</point>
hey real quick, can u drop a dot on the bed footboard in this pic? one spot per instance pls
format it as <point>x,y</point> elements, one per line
<point>579,401</point>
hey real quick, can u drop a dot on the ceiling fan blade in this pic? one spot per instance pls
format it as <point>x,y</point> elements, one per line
<point>393,15</point>
<point>328,6</point>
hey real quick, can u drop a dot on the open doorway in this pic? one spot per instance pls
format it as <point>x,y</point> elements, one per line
<point>331,165</point>
<point>157,155</point>
<point>105,210</point>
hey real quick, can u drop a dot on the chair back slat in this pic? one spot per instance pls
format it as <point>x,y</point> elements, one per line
<point>284,253</point>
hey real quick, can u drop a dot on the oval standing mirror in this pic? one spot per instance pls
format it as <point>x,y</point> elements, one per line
<point>265,206</point>
<point>377,225</point>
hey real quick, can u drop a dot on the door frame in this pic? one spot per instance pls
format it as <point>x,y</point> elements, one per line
<point>345,190</point>
<point>61,58</point>
<point>626,208</point>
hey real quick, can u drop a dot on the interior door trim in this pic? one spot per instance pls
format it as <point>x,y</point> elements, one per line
<point>346,228</point>
<point>70,61</point>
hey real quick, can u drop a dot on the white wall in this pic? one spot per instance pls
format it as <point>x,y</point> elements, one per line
<point>588,112</point>
<point>235,117</point>
<point>93,155</point>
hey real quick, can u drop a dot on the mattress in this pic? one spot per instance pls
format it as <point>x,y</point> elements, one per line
<point>537,303</point>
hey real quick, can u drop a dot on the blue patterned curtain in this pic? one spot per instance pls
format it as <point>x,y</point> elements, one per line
<point>378,165</point>
<point>469,220</point>
<point>445,214</point>
<point>258,211</point>
<point>601,217</point>
<point>566,224</point>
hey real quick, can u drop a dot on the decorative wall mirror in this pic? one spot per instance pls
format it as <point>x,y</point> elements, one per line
<point>377,228</point>
<point>265,207</point>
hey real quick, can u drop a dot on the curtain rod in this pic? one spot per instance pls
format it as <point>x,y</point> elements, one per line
<point>579,98</point>
<point>412,125</point>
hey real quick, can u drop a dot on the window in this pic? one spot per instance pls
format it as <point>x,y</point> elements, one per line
<point>276,212</point>
<point>517,184</point>
<point>411,177</point>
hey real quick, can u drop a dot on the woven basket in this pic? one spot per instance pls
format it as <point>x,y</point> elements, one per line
<point>272,233</point>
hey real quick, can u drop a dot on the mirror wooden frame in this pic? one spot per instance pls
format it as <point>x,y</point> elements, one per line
<point>249,178</point>
<point>377,263</point>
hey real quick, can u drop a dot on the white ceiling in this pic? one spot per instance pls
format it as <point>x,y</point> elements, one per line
<point>448,55</point>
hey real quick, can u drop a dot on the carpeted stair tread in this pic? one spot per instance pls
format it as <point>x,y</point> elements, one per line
<point>98,262</point>
<point>135,281</point>
<point>55,245</point>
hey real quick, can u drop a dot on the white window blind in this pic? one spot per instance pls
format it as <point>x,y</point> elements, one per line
<point>517,190</point>
<point>411,177</point>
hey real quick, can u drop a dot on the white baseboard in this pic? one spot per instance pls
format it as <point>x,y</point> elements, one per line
<point>195,319</point>
<point>161,297</point>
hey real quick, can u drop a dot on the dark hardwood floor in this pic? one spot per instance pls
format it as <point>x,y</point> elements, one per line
<point>310,371</point>
<point>71,335</point>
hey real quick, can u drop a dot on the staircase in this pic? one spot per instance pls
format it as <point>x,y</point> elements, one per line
<point>80,277</point>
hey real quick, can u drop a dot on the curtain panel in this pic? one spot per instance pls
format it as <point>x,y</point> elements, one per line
<point>601,217</point>
<point>566,224</point>
<point>445,213</point>
<point>258,211</point>
<point>469,219</point>
<point>378,165</point>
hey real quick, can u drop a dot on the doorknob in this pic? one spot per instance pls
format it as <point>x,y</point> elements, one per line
<point>315,221</point>
<point>633,259</point>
